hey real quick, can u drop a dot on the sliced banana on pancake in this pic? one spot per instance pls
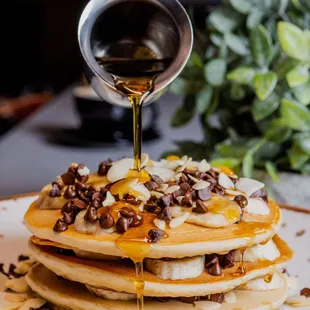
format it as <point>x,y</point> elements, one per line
<point>268,251</point>
<point>267,283</point>
<point>176,269</point>
<point>221,212</point>
<point>111,295</point>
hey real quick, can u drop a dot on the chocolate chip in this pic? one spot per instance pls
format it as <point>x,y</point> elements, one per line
<point>127,212</point>
<point>164,201</point>
<point>80,204</point>
<point>219,298</point>
<point>200,207</point>
<point>188,300</point>
<point>122,225</point>
<point>305,292</point>
<point>70,192</point>
<point>165,214</point>
<point>188,199</point>
<point>68,178</point>
<point>163,299</point>
<point>96,203</point>
<point>106,221</point>
<point>22,257</point>
<point>151,208</point>
<point>215,270</point>
<point>211,260</point>
<point>241,201</point>
<point>240,217</point>
<point>151,185</point>
<point>59,184</point>
<point>131,199</point>
<point>157,179</point>
<point>66,252</point>
<point>228,259</point>
<point>82,178</point>
<point>91,215</point>
<point>184,187</point>
<point>68,207</point>
<point>155,235</point>
<point>203,194</point>
<point>137,220</point>
<point>68,218</point>
<point>184,178</point>
<point>80,187</point>
<point>91,190</point>
<point>104,167</point>
<point>60,226</point>
<point>55,191</point>
<point>261,193</point>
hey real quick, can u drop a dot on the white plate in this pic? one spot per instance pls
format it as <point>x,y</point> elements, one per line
<point>14,236</point>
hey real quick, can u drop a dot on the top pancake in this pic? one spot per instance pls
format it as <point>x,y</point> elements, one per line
<point>183,241</point>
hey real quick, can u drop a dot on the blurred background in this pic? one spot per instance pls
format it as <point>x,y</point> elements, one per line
<point>242,100</point>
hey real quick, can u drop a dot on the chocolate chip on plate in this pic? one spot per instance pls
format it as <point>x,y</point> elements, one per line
<point>59,184</point>
<point>203,194</point>
<point>79,203</point>
<point>104,167</point>
<point>152,208</point>
<point>241,201</point>
<point>60,226</point>
<point>137,220</point>
<point>305,292</point>
<point>188,199</point>
<point>55,191</point>
<point>80,187</point>
<point>164,201</point>
<point>228,259</point>
<point>127,212</point>
<point>68,207</point>
<point>184,187</point>
<point>96,203</point>
<point>155,235</point>
<point>106,221</point>
<point>68,178</point>
<point>200,207</point>
<point>122,225</point>
<point>165,214</point>
<point>91,215</point>
<point>188,300</point>
<point>68,218</point>
<point>70,192</point>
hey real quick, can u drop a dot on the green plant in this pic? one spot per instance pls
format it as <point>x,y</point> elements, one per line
<point>248,79</point>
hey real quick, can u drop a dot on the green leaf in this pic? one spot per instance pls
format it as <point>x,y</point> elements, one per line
<point>236,44</point>
<point>230,162</point>
<point>277,131</point>
<point>297,157</point>
<point>254,18</point>
<point>195,60</point>
<point>298,76</point>
<point>241,75</point>
<point>215,71</point>
<point>293,41</point>
<point>231,150</point>
<point>284,65</point>
<point>178,86</point>
<point>263,108</point>
<point>185,113</point>
<point>272,171</point>
<point>237,92</point>
<point>248,165</point>
<point>203,99</point>
<point>216,39</point>
<point>283,6</point>
<point>264,84</point>
<point>225,19</point>
<point>242,6</point>
<point>303,141</point>
<point>211,108</point>
<point>261,46</point>
<point>295,115</point>
<point>302,93</point>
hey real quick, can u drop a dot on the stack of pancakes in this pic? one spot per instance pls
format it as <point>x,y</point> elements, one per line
<point>204,237</point>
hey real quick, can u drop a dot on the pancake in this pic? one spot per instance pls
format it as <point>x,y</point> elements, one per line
<point>185,240</point>
<point>120,275</point>
<point>72,295</point>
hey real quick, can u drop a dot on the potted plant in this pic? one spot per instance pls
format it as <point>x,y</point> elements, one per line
<point>248,79</point>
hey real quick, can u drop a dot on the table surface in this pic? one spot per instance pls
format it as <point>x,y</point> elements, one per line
<point>28,161</point>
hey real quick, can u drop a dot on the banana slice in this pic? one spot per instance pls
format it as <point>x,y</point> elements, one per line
<point>268,251</point>
<point>176,269</point>
<point>222,212</point>
<point>110,295</point>
<point>260,284</point>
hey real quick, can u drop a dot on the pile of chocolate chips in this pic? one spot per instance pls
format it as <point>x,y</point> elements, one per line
<point>11,273</point>
<point>215,263</point>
